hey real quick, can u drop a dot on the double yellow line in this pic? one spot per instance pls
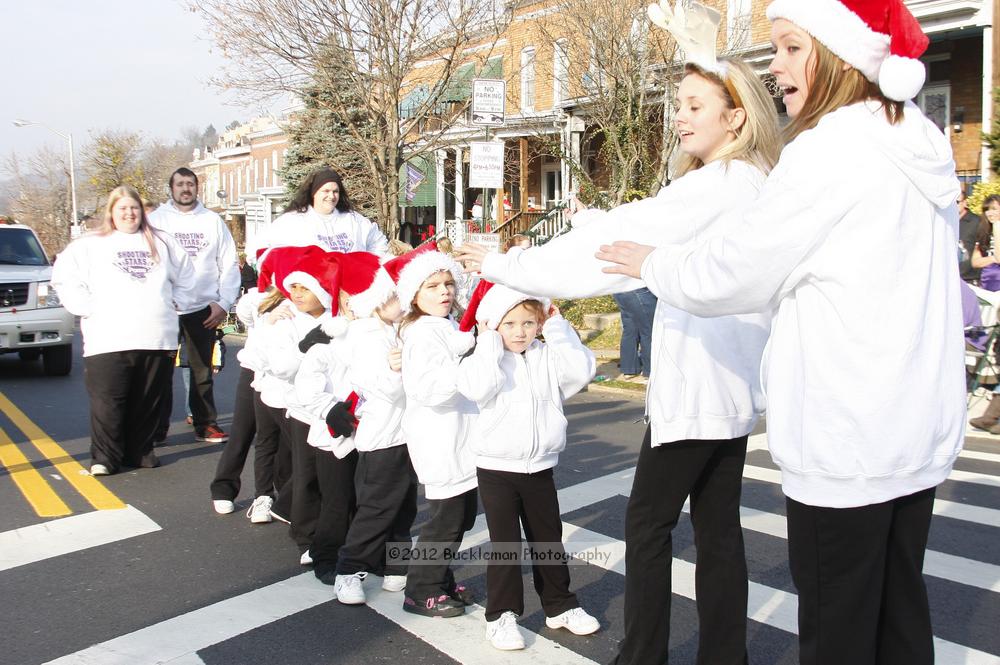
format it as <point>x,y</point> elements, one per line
<point>33,485</point>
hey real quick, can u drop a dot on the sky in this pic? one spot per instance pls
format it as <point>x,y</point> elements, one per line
<point>82,66</point>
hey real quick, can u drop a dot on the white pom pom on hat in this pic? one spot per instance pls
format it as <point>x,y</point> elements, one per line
<point>880,38</point>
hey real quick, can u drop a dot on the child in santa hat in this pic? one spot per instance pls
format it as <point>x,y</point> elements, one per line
<point>854,230</point>
<point>368,362</point>
<point>437,422</point>
<point>309,276</point>
<point>519,384</point>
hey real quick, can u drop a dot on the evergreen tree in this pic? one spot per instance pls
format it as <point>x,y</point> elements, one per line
<point>993,138</point>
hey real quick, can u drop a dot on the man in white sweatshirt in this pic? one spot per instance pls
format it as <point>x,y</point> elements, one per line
<point>209,244</point>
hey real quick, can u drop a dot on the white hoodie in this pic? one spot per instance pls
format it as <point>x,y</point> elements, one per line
<point>853,240</point>
<point>380,416</point>
<point>437,421</point>
<point>278,347</point>
<point>321,382</point>
<point>336,232</point>
<point>705,378</point>
<point>125,301</point>
<point>521,426</point>
<point>207,240</point>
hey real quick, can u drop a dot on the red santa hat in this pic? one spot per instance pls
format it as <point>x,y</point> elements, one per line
<point>490,303</point>
<point>320,273</point>
<point>880,38</point>
<point>366,282</point>
<point>279,261</point>
<point>411,269</point>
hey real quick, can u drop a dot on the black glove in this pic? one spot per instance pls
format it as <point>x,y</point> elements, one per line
<point>340,420</point>
<point>314,336</point>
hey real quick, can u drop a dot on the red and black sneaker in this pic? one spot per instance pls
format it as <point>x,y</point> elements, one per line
<point>211,434</point>
<point>439,606</point>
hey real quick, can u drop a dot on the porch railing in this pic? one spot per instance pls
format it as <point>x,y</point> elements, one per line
<point>552,224</point>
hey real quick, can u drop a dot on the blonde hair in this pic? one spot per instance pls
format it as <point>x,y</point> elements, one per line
<point>758,140</point>
<point>107,225</point>
<point>272,298</point>
<point>398,247</point>
<point>835,84</point>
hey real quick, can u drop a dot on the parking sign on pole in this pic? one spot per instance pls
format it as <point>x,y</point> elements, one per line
<point>488,97</point>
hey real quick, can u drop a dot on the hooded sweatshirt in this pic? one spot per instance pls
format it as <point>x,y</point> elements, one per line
<point>853,241</point>
<point>336,232</point>
<point>380,415</point>
<point>124,299</point>
<point>207,240</point>
<point>705,378</point>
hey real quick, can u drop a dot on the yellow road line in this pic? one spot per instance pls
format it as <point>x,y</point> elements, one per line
<point>33,486</point>
<point>92,490</point>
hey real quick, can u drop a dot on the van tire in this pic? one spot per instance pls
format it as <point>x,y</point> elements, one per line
<point>29,355</point>
<point>58,360</point>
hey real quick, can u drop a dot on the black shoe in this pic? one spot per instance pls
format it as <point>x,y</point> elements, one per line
<point>149,461</point>
<point>461,594</point>
<point>326,575</point>
<point>441,606</point>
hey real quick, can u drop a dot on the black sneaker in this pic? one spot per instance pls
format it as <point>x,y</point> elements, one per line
<point>211,434</point>
<point>461,594</point>
<point>326,575</point>
<point>440,606</point>
<point>149,461</point>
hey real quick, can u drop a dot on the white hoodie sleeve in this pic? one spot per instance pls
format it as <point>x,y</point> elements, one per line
<point>376,242</point>
<point>229,268</point>
<point>311,381</point>
<point>575,364</point>
<point>566,267</point>
<point>753,267</point>
<point>181,271</point>
<point>70,279</point>
<point>280,349</point>
<point>246,307</point>
<point>430,367</point>
<point>370,373</point>
<point>480,377</point>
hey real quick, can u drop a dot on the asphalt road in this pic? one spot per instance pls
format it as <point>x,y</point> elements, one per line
<point>137,567</point>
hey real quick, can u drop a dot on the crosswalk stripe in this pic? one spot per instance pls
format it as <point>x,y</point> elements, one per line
<point>37,542</point>
<point>35,489</point>
<point>89,487</point>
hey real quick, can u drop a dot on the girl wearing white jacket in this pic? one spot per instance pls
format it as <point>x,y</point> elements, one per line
<point>863,171</point>
<point>704,396</point>
<point>126,281</point>
<point>436,425</point>
<point>519,385</point>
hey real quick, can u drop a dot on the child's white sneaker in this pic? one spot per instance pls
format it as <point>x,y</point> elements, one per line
<point>394,583</point>
<point>349,590</point>
<point>575,621</point>
<point>504,634</point>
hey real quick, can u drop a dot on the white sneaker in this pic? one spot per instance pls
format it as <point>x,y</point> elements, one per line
<point>394,582</point>
<point>224,507</point>
<point>503,633</point>
<point>575,621</point>
<point>260,510</point>
<point>99,470</point>
<point>349,590</point>
<point>305,559</point>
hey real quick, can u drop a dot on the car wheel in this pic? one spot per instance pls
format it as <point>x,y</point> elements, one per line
<point>30,356</point>
<point>58,360</point>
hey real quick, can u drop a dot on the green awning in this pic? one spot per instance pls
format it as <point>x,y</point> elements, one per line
<point>425,192</point>
<point>493,69</point>
<point>459,86</point>
<point>413,101</point>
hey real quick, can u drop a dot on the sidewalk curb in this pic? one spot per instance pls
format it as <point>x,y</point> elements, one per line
<point>636,394</point>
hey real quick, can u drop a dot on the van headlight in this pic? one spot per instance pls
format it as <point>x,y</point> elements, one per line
<point>47,296</point>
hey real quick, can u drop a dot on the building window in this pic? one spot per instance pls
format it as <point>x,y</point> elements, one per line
<point>560,72</point>
<point>738,22</point>
<point>528,80</point>
<point>935,102</point>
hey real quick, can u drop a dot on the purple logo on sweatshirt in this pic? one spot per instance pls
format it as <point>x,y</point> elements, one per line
<point>340,242</point>
<point>135,263</point>
<point>191,242</point>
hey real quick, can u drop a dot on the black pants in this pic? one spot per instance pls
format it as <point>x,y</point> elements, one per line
<point>442,536</point>
<point>226,484</point>
<point>858,573</point>
<point>711,472</point>
<point>510,500</point>
<point>323,500</point>
<point>272,460</point>
<point>198,343</point>
<point>284,459</point>
<point>127,390</point>
<point>387,505</point>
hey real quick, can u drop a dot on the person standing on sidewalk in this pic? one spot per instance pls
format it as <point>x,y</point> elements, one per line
<point>207,240</point>
<point>638,308</point>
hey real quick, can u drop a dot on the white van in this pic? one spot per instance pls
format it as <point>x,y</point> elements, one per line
<point>33,323</point>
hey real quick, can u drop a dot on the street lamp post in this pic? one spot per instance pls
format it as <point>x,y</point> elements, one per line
<point>75,229</point>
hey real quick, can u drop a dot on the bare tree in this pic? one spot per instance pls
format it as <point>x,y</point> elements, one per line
<point>40,196</point>
<point>619,72</point>
<point>366,57</point>
<point>114,158</point>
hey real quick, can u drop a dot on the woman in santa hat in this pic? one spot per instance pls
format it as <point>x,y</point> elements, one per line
<point>864,426</point>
